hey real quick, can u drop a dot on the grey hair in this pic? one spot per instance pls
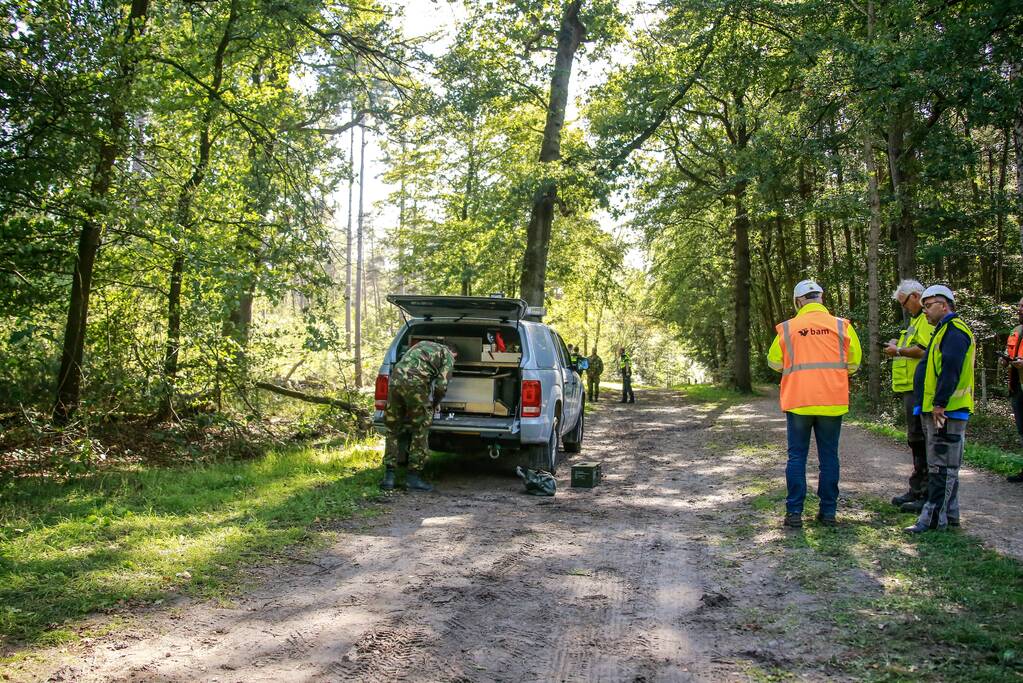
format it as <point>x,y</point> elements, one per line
<point>907,287</point>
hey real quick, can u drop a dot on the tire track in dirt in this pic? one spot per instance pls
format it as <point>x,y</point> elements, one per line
<point>641,578</point>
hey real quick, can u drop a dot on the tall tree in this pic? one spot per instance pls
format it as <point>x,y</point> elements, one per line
<point>112,146</point>
<point>359,266</point>
<point>571,33</point>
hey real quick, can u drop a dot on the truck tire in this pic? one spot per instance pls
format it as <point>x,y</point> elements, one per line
<point>574,441</point>
<point>545,456</point>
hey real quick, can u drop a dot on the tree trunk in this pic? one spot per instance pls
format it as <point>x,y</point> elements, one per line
<point>898,164</point>
<point>741,291</point>
<point>847,233</point>
<point>183,219</point>
<point>783,250</point>
<point>400,237</point>
<point>111,148</point>
<point>743,282</point>
<point>1000,219</point>
<point>360,413</point>
<point>348,240</point>
<point>874,198</point>
<point>538,234</point>
<point>1017,144</point>
<point>358,259</point>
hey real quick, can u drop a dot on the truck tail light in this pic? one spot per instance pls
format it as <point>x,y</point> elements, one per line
<point>380,395</point>
<point>531,398</point>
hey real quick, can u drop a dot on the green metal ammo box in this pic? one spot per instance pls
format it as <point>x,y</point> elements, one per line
<point>586,475</point>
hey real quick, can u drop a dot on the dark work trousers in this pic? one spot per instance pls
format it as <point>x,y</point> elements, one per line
<point>944,457</point>
<point>593,387</point>
<point>918,445</point>
<point>627,394</point>
<point>1017,412</point>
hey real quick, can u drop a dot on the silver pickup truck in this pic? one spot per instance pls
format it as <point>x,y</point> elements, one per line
<point>513,393</point>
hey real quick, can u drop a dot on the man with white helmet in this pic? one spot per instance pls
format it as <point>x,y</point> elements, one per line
<point>815,352</point>
<point>906,352</point>
<point>943,388</point>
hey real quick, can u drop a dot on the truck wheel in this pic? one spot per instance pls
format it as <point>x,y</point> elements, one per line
<point>545,456</point>
<point>574,441</point>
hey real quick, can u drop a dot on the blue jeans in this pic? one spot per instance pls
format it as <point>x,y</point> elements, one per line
<point>826,429</point>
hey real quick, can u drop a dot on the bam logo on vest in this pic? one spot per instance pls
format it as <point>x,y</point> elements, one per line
<point>812,331</point>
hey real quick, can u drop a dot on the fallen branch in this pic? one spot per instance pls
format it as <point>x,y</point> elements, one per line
<point>360,413</point>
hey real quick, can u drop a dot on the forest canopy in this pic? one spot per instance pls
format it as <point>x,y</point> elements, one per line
<point>183,184</point>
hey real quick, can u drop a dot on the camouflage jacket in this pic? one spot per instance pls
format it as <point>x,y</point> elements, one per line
<point>596,368</point>
<point>425,363</point>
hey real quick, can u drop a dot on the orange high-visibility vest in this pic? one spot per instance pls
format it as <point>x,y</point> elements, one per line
<point>1012,344</point>
<point>815,361</point>
<point>1013,350</point>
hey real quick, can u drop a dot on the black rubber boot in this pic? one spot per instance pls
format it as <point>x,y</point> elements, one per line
<point>413,482</point>
<point>387,483</point>
<point>907,497</point>
<point>918,480</point>
<point>913,506</point>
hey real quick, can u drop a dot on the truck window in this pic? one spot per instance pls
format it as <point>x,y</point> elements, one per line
<point>563,350</point>
<point>541,347</point>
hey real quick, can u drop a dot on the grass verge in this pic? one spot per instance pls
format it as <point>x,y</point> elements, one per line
<point>127,538</point>
<point>934,607</point>
<point>980,455</point>
<point>712,393</point>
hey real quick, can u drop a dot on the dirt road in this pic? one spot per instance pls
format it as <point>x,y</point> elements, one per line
<point>653,576</point>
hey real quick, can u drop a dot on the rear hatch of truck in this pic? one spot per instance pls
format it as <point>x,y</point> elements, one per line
<point>438,308</point>
<point>482,399</point>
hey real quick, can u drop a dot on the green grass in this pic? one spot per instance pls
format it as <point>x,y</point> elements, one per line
<point>934,607</point>
<point>711,393</point>
<point>124,538</point>
<point>980,455</point>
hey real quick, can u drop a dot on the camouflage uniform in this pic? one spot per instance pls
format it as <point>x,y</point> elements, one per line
<point>426,366</point>
<point>593,374</point>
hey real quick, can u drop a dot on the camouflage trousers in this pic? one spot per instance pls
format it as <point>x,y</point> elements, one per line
<point>407,417</point>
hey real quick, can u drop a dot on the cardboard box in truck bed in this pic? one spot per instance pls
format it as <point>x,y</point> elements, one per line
<point>501,357</point>
<point>470,395</point>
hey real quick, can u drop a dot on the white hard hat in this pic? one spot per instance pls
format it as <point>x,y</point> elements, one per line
<point>938,290</point>
<point>805,287</point>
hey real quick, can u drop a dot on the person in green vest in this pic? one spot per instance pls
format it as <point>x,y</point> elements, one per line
<point>943,388</point>
<point>906,352</point>
<point>625,367</point>
<point>573,358</point>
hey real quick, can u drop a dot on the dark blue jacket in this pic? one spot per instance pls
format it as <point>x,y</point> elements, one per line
<point>954,347</point>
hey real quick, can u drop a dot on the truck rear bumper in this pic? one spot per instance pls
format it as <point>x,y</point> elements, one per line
<point>488,428</point>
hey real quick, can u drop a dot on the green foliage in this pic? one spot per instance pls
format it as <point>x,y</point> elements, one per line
<point>226,168</point>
